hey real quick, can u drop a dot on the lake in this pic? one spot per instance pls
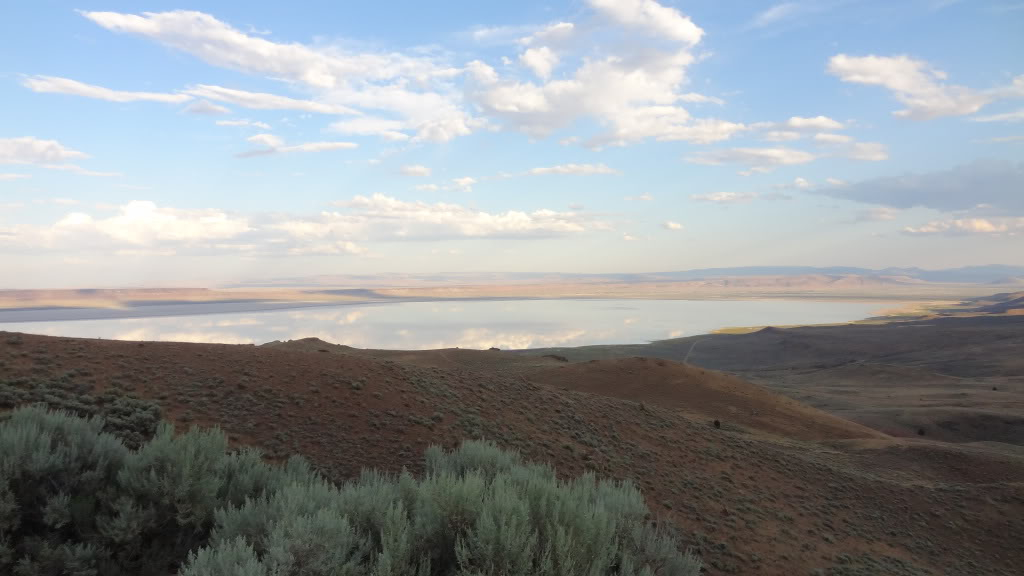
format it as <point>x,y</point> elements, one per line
<point>507,324</point>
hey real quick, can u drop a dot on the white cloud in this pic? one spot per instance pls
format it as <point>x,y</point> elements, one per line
<point>1015,116</point>
<point>206,107</point>
<point>964,226</point>
<point>427,187</point>
<point>915,83</point>
<point>725,197</point>
<point>247,123</point>
<point>650,17</point>
<point>8,177</point>
<point>868,151</point>
<point>782,135</point>
<point>271,144</point>
<point>370,126</point>
<point>28,150</point>
<point>319,147</point>
<point>774,14</point>
<point>628,237</point>
<point>417,88</point>
<point>578,169</point>
<point>415,170</point>
<point>268,140</point>
<point>79,170</point>
<point>758,159</point>
<point>670,225</point>
<point>879,214</point>
<point>55,85</point>
<point>645,197</point>
<point>540,60</point>
<point>815,123</point>
<point>464,184</point>
<point>801,183</point>
<point>264,101</point>
<point>381,217</point>
<point>136,224</point>
<point>632,90</point>
<point>798,127</point>
<point>556,33</point>
<point>830,138</point>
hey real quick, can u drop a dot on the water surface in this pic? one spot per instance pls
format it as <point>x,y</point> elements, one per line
<point>507,324</point>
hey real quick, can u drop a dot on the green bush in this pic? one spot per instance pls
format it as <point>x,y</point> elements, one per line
<point>75,500</point>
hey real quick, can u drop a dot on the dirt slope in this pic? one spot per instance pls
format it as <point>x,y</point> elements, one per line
<point>703,393</point>
<point>749,502</point>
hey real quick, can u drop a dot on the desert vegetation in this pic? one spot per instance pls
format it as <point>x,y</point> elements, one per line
<point>75,499</point>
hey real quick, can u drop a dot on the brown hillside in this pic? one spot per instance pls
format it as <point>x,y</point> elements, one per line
<point>704,393</point>
<point>748,502</point>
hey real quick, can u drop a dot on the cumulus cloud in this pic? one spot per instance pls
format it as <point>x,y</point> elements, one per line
<point>631,90</point>
<point>55,85</point>
<point>577,169</point>
<point>815,123</point>
<point>540,60</point>
<point>135,224</point>
<point>965,226</point>
<point>670,225</point>
<point>757,159</point>
<point>915,83</point>
<point>243,122</point>
<point>995,183</point>
<point>725,197</point>
<point>652,18</point>
<point>207,108</point>
<point>415,170</point>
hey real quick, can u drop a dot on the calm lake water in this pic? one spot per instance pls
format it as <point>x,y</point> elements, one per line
<point>508,324</point>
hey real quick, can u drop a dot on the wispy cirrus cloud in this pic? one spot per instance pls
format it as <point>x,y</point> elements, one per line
<point>271,144</point>
<point>725,197</point>
<point>968,226</point>
<point>56,85</point>
<point>573,169</point>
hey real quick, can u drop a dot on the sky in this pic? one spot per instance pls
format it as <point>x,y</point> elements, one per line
<point>203,143</point>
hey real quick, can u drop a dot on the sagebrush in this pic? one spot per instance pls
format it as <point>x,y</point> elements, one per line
<point>75,500</point>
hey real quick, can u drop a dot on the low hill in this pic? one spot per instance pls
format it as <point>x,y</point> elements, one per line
<point>747,501</point>
<point>702,393</point>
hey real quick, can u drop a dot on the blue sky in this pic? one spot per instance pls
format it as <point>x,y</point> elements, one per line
<point>151,143</point>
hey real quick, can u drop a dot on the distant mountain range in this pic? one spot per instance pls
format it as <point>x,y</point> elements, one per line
<point>989,274</point>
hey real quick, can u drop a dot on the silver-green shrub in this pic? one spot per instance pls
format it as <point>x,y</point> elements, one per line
<point>75,500</point>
